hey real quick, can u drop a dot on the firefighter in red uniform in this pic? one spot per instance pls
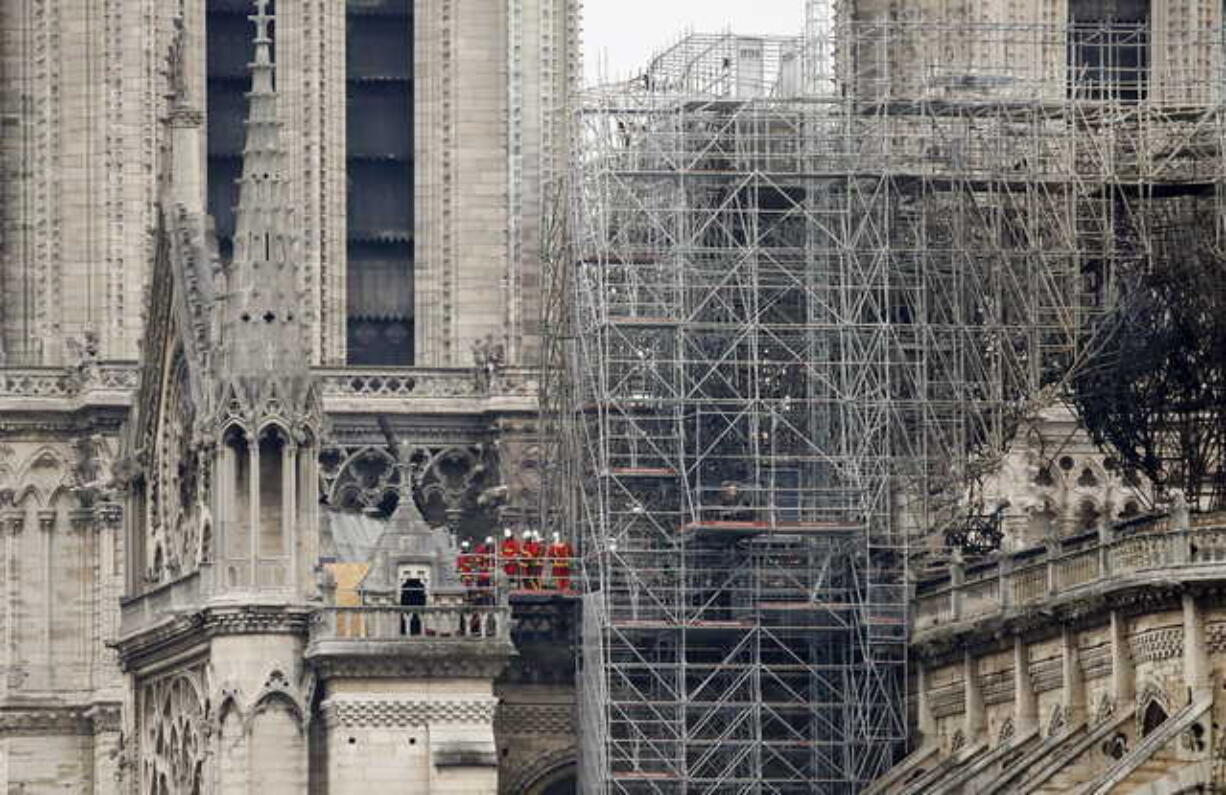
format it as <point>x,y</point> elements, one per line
<point>509,553</point>
<point>466,565</point>
<point>560,554</point>
<point>534,550</point>
<point>484,563</point>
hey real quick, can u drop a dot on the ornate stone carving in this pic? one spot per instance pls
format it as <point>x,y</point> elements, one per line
<point>391,713</point>
<point>1105,709</point>
<point>948,700</point>
<point>1006,732</point>
<point>1116,746</point>
<point>1096,661</point>
<point>997,687</point>
<point>535,719</point>
<point>1151,645</point>
<point>1058,721</point>
<point>1047,674</point>
<point>172,715</point>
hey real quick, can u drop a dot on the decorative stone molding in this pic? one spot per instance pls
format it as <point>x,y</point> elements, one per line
<point>1007,731</point>
<point>47,721</point>
<point>1152,645</point>
<point>80,519</point>
<point>1096,661</point>
<point>997,687</point>
<point>106,717</point>
<point>13,522</point>
<point>1047,674</point>
<point>1215,637</point>
<point>1105,709</point>
<point>188,629</point>
<point>46,520</point>
<point>458,659</point>
<point>1058,721</point>
<point>949,700</point>
<point>392,713</point>
<point>254,620</point>
<point>535,719</point>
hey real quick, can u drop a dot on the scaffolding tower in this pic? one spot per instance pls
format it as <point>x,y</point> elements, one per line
<point>802,316</point>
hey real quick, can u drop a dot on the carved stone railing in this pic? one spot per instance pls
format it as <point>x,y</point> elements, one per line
<point>411,623</point>
<point>1119,555</point>
<point>67,382</point>
<point>426,382</point>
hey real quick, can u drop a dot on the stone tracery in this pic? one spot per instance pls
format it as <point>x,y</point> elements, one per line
<point>173,737</point>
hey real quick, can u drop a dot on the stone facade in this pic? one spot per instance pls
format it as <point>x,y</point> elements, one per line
<point>1087,665</point>
<point>119,332</point>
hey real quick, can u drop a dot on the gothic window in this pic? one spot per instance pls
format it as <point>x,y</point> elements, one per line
<point>1108,49</point>
<point>379,157</point>
<point>1153,717</point>
<point>238,501</point>
<point>272,490</point>
<point>173,751</point>
<point>175,504</point>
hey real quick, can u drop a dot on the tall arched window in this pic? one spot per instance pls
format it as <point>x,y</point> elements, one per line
<point>272,493</point>
<point>236,500</point>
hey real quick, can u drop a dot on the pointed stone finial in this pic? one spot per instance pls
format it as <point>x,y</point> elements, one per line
<point>264,357</point>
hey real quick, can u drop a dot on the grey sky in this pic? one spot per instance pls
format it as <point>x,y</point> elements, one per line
<point>620,35</point>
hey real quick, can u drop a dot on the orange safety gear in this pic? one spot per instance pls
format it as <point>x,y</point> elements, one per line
<point>560,554</point>
<point>533,566</point>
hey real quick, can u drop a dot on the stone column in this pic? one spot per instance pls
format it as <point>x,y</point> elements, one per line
<point>1074,683</point>
<point>13,523</point>
<point>1123,676</point>
<point>1195,655</point>
<point>108,525</point>
<point>289,515</point>
<point>1025,702</point>
<point>81,664</point>
<point>46,527</point>
<point>105,719</point>
<point>253,510</point>
<point>974,717</point>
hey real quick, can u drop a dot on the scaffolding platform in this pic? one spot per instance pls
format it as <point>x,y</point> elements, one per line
<point>800,307</point>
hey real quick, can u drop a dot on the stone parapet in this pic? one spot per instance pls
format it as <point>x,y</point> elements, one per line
<point>399,642</point>
<point>1090,566</point>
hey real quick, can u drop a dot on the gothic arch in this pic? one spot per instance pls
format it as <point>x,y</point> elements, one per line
<point>276,737</point>
<point>278,693</point>
<point>232,751</point>
<point>548,771</point>
<point>42,473</point>
<point>1153,708</point>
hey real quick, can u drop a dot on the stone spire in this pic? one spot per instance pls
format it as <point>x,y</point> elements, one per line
<point>264,336</point>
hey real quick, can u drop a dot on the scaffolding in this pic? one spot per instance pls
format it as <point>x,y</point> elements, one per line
<point>801,317</point>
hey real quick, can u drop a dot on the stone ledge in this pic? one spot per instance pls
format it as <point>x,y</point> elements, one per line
<point>464,658</point>
<point>1150,590</point>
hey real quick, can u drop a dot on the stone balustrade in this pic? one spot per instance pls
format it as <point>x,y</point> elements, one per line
<point>377,623</point>
<point>425,382</point>
<point>1092,563</point>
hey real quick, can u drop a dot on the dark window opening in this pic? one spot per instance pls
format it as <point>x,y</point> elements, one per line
<point>1108,52</point>
<point>412,594</point>
<point>230,48</point>
<point>1153,717</point>
<point>379,159</point>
